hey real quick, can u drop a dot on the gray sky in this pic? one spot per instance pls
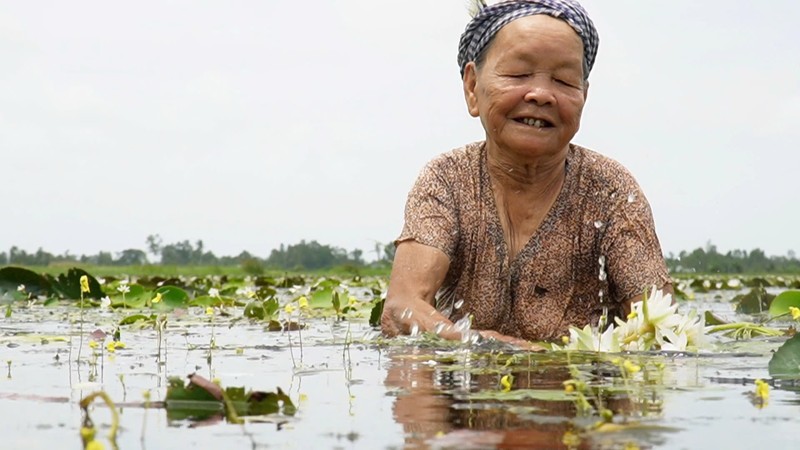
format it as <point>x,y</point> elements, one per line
<point>253,123</point>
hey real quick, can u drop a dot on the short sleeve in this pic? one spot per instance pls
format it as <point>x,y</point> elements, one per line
<point>431,212</point>
<point>634,260</point>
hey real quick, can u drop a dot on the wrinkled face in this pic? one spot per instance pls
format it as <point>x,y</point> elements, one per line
<point>529,91</point>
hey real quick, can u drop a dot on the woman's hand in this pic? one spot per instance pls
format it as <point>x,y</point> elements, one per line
<point>522,344</point>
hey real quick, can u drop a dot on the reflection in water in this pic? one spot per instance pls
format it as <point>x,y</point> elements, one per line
<point>453,399</point>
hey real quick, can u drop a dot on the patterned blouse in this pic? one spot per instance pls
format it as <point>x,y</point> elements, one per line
<point>595,248</point>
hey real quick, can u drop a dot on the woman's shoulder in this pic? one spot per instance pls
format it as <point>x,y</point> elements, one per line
<point>460,164</point>
<point>600,170</point>
<point>468,155</point>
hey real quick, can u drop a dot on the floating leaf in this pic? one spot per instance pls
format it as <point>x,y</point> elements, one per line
<point>711,319</point>
<point>754,302</point>
<point>136,318</point>
<point>12,277</point>
<point>172,296</point>
<point>201,398</point>
<point>255,310</point>
<point>785,362</point>
<point>780,304</point>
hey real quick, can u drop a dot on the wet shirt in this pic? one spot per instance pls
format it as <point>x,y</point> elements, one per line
<point>595,248</point>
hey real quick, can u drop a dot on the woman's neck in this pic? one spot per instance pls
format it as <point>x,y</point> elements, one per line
<point>524,174</point>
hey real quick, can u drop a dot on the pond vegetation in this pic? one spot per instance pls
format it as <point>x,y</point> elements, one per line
<point>297,361</point>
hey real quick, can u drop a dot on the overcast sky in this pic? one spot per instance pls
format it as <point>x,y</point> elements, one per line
<point>248,124</point>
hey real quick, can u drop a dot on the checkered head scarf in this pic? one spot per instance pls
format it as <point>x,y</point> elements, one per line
<point>490,19</point>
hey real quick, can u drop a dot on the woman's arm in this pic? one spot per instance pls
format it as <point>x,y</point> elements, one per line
<point>418,272</point>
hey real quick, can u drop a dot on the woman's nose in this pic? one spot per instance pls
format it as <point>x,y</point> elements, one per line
<point>540,91</point>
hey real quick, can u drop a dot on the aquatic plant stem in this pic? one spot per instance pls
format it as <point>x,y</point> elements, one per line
<point>80,331</point>
<point>112,433</point>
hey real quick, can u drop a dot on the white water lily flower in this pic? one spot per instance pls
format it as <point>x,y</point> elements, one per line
<point>653,324</point>
<point>21,288</point>
<point>124,288</point>
<point>247,291</point>
<point>590,340</point>
<point>105,302</point>
<point>213,292</point>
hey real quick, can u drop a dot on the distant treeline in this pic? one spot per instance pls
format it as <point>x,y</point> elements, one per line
<point>709,260</point>
<point>301,256</point>
<point>311,255</point>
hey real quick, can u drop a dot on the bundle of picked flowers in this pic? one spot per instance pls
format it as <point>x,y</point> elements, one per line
<point>653,324</point>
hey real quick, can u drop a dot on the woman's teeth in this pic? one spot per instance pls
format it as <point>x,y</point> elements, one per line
<point>538,123</point>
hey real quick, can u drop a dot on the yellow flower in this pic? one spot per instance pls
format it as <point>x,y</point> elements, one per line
<point>630,367</point>
<point>94,445</point>
<point>570,439</point>
<point>302,302</point>
<point>506,382</point>
<point>289,308</point>
<point>762,390</point>
<point>84,283</point>
<point>87,434</point>
<point>565,339</point>
<point>157,298</point>
<point>209,311</point>
<point>569,388</point>
<point>795,311</point>
<point>110,347</point>
<point>93,344</point>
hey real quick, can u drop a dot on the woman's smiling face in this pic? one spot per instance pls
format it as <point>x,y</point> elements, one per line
<point>529,90</point>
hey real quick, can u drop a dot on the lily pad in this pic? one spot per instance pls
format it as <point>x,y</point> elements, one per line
<point>785,363</point>
<point>201,398</point>
<point>173,296</point>
<point>12,277</point>
<point>780,304</point>
<point>754,302</point>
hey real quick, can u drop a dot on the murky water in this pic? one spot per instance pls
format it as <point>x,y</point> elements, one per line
<point>372,394</point>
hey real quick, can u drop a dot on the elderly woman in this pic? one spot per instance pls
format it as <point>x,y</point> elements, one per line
<point>525,232</point>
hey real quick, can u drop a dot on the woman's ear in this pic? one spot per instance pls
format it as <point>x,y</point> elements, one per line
<point>470,82</point>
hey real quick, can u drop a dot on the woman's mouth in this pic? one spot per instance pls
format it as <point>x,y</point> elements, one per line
<point>538,123</point>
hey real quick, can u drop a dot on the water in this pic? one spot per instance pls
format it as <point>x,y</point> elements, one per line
<point>375,394</point>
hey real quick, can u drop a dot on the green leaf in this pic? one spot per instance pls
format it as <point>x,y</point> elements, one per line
<point>555,395</point>
<point>785,362</point>
<point>271,306</point>
<point>136,318</point>
<point>11,277</point>
<point>711,319</point>
<point>255,310</point>
<point>780,304</point>
<point>321,298</point>
<point>172,296</point>
<point>375,314</point>
<point>69,285</point>
<point>754,302</point>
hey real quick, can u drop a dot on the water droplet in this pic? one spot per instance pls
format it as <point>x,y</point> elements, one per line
<point>602,260</point>
<point>414,330</point>
<point>463,324</point>
<point>631,198</point>
<point>459,304</point>
<point>603,276</point>
<point>406,314</point>
<point>598,224</point>
<point>439,327</point>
